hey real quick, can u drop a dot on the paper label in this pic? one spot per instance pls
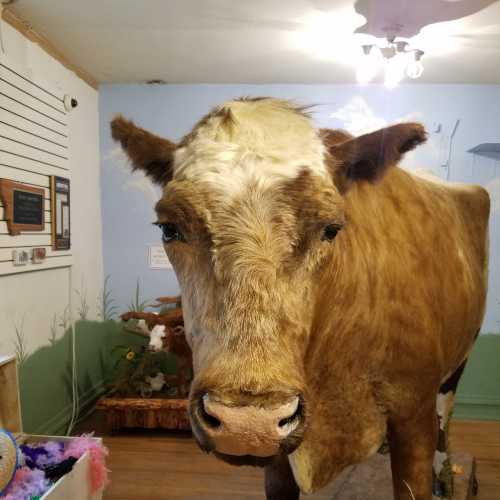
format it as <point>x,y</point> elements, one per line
<point>158,258</point>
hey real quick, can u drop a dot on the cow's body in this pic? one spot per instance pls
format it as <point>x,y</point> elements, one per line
<point>328,295</point>
<point>395,316</point>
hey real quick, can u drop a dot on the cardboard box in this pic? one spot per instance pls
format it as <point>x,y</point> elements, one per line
<point>73,486</point>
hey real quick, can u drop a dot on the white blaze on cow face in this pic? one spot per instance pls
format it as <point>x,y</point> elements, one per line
<point>262,141</point>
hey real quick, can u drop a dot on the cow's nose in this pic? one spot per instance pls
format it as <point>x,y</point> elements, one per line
<point>257,430</point>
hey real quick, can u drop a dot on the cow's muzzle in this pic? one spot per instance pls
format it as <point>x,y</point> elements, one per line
<point>247,433</point>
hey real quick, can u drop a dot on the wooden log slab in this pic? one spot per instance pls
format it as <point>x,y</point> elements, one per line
<point>372,479</point>
<point>145,413</point>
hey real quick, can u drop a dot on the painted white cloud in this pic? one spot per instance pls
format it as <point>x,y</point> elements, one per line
<point>137,182</point>
<point>493,188</point>
<point>116,152</point>
<point>358,117</point>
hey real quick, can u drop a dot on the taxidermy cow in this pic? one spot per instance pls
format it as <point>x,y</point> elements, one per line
<point>330,298</point>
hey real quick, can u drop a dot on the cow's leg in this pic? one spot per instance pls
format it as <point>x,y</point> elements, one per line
<point>443,477</point>
<point>412,443</point>
<point>280,483</point>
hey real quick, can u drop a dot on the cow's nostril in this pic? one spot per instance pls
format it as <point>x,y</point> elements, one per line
<point>296,415</point>
<point>208,419</point>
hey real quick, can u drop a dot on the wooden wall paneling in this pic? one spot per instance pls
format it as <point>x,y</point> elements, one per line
<point>51,97</point>
<point>26,177</point>
<point>26,151</point>
<point>37,105</point>
<point>6,253</point>
<point>34,145</point>
<point>46,230</point>
<point>10,159</point>
<point>32,239</point>
<point>31,126</point>
<point>49,263</point>
<point>33,140</point>
<point>11,105</point>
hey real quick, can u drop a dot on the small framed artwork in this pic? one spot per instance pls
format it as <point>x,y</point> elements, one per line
<point>61,220</point>
<point>38,255</point>
<point>24,206</point>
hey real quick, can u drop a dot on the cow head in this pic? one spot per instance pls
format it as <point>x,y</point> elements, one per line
<point>253,209</point>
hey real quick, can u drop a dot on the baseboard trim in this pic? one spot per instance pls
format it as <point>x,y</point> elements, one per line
<point>477,400</point>
<point>58,424</point>
<point>477,409</point>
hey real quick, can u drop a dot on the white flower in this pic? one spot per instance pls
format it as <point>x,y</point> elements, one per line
<point>156,336</point>
<point>157,382</point>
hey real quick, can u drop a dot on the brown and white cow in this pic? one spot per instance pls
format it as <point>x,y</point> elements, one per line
<point>327,294</point>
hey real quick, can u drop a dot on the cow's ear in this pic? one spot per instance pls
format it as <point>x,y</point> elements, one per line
<point>367,157</point>
<point>147,152</point>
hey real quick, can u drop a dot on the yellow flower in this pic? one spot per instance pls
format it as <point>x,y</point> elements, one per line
<point>130,355</point>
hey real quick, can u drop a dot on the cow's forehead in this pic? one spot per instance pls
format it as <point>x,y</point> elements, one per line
<point>243,141</point>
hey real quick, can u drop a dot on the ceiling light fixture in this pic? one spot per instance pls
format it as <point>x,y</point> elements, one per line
<point>368,67</point>
<point>395,57</point>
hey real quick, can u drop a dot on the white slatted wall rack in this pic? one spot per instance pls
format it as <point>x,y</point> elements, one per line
<point>34,139</point>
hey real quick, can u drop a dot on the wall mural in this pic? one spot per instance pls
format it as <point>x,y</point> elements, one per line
<point>45,368</point>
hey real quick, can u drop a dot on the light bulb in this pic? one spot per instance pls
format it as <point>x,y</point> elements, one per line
<point>394,71</point>
<point>415,67</point>
<point>368,65</point>
<point>366,71</point>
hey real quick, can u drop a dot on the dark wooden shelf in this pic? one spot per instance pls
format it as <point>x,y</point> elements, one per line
<point>145,413</point>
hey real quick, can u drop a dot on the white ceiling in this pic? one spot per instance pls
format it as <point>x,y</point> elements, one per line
<point>251,41</point>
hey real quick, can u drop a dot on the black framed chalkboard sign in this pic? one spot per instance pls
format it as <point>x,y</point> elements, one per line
<point>24,206</point>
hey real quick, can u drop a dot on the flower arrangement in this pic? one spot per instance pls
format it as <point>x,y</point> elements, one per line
<point>161,369</point>
<point>138,371</point>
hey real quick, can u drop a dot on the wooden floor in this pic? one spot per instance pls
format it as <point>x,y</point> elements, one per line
<point>152,465</point>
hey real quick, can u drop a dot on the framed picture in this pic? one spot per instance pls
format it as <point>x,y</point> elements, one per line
<point>24,206</point>
<point>61,219</point>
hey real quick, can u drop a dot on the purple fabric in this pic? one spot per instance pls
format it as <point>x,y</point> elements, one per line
<point>44,455</point>
<point>27,484</point>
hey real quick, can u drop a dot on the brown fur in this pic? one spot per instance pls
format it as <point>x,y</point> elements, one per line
<point>403,308</point>
<point>368,157</point>
<point>365,327</point>
<point>332,138</point>
<point>147,152</point>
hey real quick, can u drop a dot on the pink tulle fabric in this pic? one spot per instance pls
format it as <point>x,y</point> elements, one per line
<point>98,453</point>
<point>27,483</point>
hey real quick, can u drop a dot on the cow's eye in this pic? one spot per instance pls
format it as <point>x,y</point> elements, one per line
<point>170,232</point>
<point>330,231</point>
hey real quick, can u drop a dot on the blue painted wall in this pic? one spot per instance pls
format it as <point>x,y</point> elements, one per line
<point>171,110</point>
